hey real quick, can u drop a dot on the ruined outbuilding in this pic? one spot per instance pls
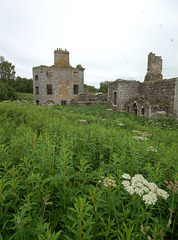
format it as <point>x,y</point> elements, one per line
<point>57,84</point>
<point>151,98</point>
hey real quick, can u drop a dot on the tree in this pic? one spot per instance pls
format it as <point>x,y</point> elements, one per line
<point>7,71</point>
<point>23,85</point>
<point>7,80</point>
<point>90,89</point>
<point>7,92</point>
<point>104,87</point>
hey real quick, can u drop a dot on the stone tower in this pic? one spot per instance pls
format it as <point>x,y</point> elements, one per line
<point>61,58</point>
<point>154,71</point>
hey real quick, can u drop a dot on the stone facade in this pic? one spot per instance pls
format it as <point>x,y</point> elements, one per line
<point>58,84</point>
<point>153,97</point>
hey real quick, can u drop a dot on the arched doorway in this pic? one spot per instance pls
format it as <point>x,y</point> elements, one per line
<point>135,108</point>
<point>142,111</point>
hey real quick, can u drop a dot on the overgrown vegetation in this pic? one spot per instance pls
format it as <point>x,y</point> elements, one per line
<point>62,174</point>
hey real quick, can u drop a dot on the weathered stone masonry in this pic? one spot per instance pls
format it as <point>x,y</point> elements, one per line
<point>57,84</point>
<point>152,97</point>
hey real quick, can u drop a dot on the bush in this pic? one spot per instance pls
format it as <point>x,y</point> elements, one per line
<point>7,92</point>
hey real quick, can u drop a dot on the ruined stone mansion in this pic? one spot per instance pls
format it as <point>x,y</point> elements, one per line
<point>61,83</point>
<point>57,84</point>
<point>153,97</point>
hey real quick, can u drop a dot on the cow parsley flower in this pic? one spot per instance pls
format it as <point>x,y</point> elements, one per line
<point>162,193</point>
<point>148,190</point>
<point>150,198</point>
<point>108,182</point>
<point>126,176</point>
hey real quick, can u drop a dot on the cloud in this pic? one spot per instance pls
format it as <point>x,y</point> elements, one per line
<point>111,39</point>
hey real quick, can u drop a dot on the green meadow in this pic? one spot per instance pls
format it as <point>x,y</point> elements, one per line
<point>77,173</point>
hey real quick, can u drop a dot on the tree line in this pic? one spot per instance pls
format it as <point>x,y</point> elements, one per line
<point>10,84</point>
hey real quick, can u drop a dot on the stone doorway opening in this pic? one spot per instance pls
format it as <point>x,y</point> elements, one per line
<point>134,107</point>
<point>142,111</point>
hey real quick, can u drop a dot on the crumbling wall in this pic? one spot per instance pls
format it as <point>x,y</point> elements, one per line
<point>123,90</point>
<point>160,94</point>
<point>154,71</point>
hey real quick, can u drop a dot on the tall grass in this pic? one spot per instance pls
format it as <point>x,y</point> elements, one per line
<point>54,162</point>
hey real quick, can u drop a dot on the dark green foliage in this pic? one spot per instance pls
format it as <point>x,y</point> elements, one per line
<point>7,92</point>
<point>88,88</point>
<point>7,71</point>
<point>54,160</point>
<point>104,87</point>
<point>9,85</point>
<point>23,85</point>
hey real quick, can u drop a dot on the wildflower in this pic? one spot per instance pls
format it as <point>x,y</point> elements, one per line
<point>126,176</point>
<point>136,131</point>
<point>148,190</point>
<point>152,149</point>
<point>140,138</point>
<point>172,186</point>
<point>82,120</point>
<point>150,198</point>
<point>108,182</point>
<point>143,230</point>
<point>162,193</point>
<point>46,199</point>
<point>126,183</point>
<point>130,189</point>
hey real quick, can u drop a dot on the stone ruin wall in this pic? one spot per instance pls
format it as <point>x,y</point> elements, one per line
<point>160,94</point>
<point>125,90</point>
<point>153,97</point>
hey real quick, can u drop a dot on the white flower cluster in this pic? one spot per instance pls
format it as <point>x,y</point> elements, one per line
<point>139,185</point>
<point>152,149</point>
<point>141,133</point>
<point>139,138</point>
<point>108,182</point>
<point>82,120</point>
<point>143,136</point>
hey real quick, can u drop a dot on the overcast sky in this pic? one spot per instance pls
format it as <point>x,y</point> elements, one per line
<point>111,39</point>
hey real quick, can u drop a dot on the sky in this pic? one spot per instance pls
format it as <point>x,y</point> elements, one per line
<point>111,39</point>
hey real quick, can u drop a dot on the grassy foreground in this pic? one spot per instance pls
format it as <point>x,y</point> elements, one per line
<point>86,173</point>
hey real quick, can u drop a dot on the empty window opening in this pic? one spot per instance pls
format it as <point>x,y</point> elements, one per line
<point>128,109</point>
<point>143,111</point>
<point>135,108</point>
<point>36,90</point>
<point>75,74</point>
<point>115,98</point>
<point>37,102</point>
<point>63,103</point>
<point>36,77</point>
<point>76,88</point>
<point>49,88</point>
